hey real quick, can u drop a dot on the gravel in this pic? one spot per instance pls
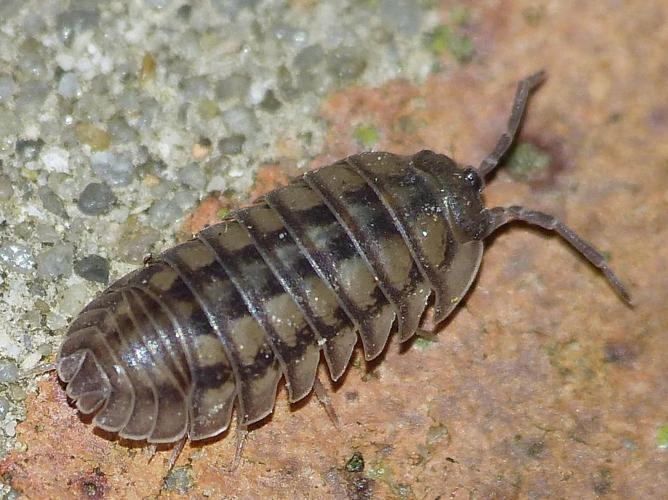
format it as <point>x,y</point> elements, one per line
<point>117,170</point>
<point>29,149</point>
<point>96,198</point>
<point>52,201</point>
<point>164,212</point>
<point>16,257</point>
<point>9,372</point>
<point>68,86</point>
<point>55,261</point>
<point>93,268</point>
<point>232,145</point>
<point>7,87</point>
<point>56,159</point>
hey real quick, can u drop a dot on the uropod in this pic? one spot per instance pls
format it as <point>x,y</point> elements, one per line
<point>371,241</point>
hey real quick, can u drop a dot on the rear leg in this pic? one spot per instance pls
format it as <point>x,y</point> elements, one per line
<point>323,397</point>
<point>500,216</point>
<point>242,430</point>
<point>428,325</point>
<point>241,435</point>
<point>176,453</point>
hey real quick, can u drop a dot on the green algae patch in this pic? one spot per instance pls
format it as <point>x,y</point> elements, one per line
<point>445,39</point>
<point>366,135</point>
<point>527,161</point>
<point>662,437</point>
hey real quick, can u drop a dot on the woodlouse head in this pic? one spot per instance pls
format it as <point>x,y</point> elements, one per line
<point>465,204</point>
<point>461,188</point>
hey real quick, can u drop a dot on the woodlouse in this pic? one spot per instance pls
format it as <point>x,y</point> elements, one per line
<point>166,351</point>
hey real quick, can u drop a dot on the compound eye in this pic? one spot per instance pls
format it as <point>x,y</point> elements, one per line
<point>472,178</point>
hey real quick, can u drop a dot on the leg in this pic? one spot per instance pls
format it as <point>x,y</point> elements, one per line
<point>501,215</point>
<point>152,450</point>
<point>242,434</point>
<point>176,453</point>
<point>524,88</point>
<point>323,396</point>
<point>427,326</point>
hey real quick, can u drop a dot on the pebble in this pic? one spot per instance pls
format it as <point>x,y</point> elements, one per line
<point>9,123</point>
<point>121,132</point>
<point>9,372</point>
<point>404,16</point>
<point>29,150</point>
<point>32,318</point>
<point>4,406</point>
<point>16,257</point>
<point>33,24</point>
<point>285,83</point>
<point>97,198</point>
<point>270,102</point>
<point>7,87</point>
<point>208,109</point>
<point>149,109</point>
<point>135,243</point>
<point>164,212</point>
<point>6,189</point>
<point>30,361</point>
<point>157,4</point>
<point>194,88</point>
<point>241,120</point>
<point>74,299</point>
<point>10,430</point>
<point>31,97</point>
<point>201,149</point>
<point>346,64</point>
<point>289,34</point>
<point>55,261</point>
<point>234,86</point>
<point>233,7</point>
<point>310,76</point>
<point>117,170</point>
<point>232,145</point>
<point>9,8</point>
<point>179,480</point>
<point>68,86</point>
<point>55,159</point>
<point>184,12</point>
<point>46,233</point>
<point>56,321</point>
<point>31,62</point>
<point>17,392</point>
<point>192,175</point>
<point>97,138</point>
<point>52,201</point>
<point>217,183</point>
<point>186,199</point>
<point>128,101</point>
<point>93,268</point>
<point>74,21</point>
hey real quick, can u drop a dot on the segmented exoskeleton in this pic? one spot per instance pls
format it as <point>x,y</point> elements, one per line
<point>166,351</point>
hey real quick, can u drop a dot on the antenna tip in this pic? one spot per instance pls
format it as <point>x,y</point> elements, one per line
<point>536,79</point>
<point>619,287</point>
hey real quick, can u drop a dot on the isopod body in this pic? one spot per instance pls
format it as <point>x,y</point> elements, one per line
<point>168,350</point>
